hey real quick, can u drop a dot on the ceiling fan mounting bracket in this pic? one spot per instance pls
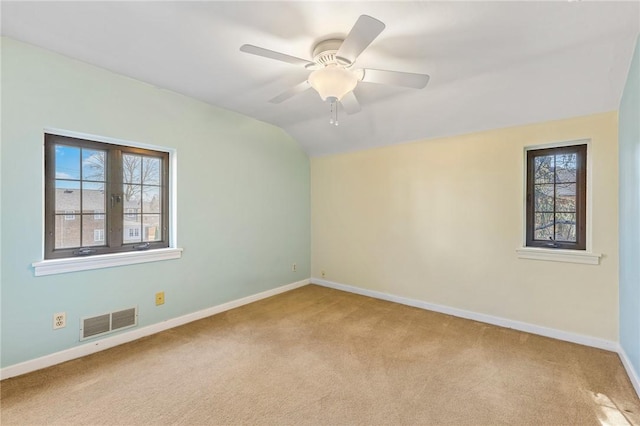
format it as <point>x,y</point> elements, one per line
<point>324,53</point>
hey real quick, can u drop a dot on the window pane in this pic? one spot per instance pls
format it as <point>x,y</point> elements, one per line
<point>92,231</point>
<point>67,231</point>
<point>67,196</point>
<point>566,227</point>
<point>81,176</point>
<point>556,206</point>
<point>151,171</point>
<point>152,229</point>
<point>566,197</point>
<point>566,167</point>
<point>151,200</point>
<point>67,162</point>
<point>544,169</point>
<point>543,229</point>
<point>131,168</point>
<point>93,164</point>
<point>93,197</point>
<point>544,198</point>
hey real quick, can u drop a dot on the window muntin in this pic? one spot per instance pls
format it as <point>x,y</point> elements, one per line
<point>556,197</point>
<point>99,189</point>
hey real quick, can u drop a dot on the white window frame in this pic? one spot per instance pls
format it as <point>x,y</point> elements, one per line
<point>586,256</point>
<point>59,266</point>
<point>98,235</point>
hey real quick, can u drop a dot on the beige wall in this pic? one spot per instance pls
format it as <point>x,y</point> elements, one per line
<point>439,221</point>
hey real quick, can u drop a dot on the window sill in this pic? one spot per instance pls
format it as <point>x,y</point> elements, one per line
<point>61,266</point>
<point>559,255</point>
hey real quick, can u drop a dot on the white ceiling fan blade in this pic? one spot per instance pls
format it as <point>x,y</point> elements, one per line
<point>298,88</point>
<point>395,78</point>
<point>350,103</point>
<point>271,54</point>
<point>365,30</point>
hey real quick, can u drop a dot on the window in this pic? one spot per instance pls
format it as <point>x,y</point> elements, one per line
<point>97,193</point>
<point>556,197</point>
<point>98,235</point>
<point>131,213</point>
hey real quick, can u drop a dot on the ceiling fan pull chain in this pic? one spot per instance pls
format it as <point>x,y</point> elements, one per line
<point>330,111</point>
<point>333,110</point>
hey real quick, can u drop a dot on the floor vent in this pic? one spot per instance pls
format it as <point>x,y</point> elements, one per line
<point>108,323</point>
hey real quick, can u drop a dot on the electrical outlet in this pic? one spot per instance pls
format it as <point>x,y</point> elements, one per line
<point>293,267</point>
<point>59,320</point>
<point>323,274</point>
<point>160,298</point>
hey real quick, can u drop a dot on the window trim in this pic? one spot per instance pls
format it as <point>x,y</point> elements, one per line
<point>559,255</point>
<point>71,264</point>
<point>99,261</point>
<point>587,256</point>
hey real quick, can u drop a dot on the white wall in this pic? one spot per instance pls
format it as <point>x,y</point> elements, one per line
<point>440,220</point>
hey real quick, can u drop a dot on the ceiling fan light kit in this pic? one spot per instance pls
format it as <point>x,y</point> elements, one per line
<point>332,76</point>
<point>333,81</point>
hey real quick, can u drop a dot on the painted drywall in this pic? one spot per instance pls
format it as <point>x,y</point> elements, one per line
<point>242,200</point>
<point>629,145</point>
<point>440,220</point>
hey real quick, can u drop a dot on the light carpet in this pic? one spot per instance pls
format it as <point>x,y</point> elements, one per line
<point>321,356</point>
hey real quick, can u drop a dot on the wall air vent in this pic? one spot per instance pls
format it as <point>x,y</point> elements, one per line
<point>108,323</point>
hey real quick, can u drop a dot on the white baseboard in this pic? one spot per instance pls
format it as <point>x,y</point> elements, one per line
<point>633,374</point>
<point>109,342</point>
<point>489,319</point>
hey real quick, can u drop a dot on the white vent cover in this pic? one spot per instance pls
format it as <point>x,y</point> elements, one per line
<point>108,323</point>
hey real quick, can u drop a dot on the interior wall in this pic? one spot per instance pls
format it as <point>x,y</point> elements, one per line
<point>629,134</point>
<point>440,220</point>
<point>242,200</point>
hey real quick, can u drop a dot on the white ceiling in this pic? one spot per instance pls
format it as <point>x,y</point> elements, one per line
<point>492,64</point>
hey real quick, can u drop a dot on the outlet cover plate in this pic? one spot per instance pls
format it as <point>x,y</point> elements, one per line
<point>59,320</point>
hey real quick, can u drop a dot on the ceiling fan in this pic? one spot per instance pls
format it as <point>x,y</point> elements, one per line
<point>333,76</point>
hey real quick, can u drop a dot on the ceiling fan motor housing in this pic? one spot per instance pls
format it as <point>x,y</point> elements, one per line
<point>324,53</point>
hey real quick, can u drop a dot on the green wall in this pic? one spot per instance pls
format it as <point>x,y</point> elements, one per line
<point>629,140</point>
<point>243,200</point>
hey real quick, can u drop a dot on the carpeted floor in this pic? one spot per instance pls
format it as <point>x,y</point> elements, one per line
<point>320,356</point>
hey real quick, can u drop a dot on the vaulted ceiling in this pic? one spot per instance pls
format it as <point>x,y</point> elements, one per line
<point>492,64</point>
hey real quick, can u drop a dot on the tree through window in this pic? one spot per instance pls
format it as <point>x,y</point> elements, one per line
<point>556,197</point>
<point>103,198</point>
